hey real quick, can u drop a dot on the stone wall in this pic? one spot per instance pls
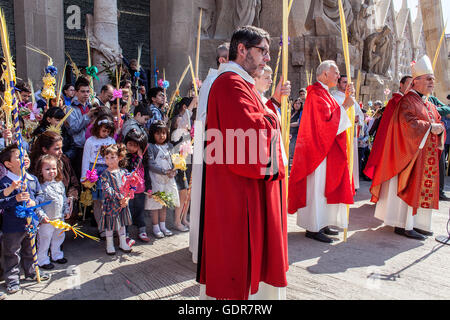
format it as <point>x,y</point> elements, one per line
<point>8,8</point>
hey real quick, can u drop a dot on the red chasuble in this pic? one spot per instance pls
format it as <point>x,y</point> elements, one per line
<point>417,169</point>
<point>243,225</point>
<point>380,137</point>
<point>318,139</point>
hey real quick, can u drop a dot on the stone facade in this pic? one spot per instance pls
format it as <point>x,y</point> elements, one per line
<point>383,56</point>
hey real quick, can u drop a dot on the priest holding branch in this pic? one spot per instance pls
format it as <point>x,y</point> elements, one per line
<point>406,180</point>
<point>243,226</point>
<point>319,185</point>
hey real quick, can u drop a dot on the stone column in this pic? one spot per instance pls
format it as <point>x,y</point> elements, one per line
<point>433,25</point>
<point>41,24</point>
<point>102,30</point>
<point>173,34</point>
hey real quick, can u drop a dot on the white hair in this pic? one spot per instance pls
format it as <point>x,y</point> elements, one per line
<point>325,66</point>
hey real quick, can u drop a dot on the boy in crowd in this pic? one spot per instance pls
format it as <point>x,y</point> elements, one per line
<point>16,245</point>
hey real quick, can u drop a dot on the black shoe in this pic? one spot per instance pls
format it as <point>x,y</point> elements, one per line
<point>414,235</point>
<point>400,231</point>
<point>60,261</point>
<point>49,266</point>
<point>330,232</point>
<point>425,233</point>
<point>443,197</point>
<point>318,236</point>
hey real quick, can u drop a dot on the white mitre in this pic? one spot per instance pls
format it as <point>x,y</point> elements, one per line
<point>421,67</point>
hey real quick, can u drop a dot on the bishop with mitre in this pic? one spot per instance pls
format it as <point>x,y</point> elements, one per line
<point>406,180</point>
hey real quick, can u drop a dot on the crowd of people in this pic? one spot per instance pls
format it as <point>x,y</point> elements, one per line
<point>138,134</point>
<point>102,136</point>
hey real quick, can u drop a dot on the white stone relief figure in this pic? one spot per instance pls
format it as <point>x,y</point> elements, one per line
<point>111,54</point>
<point>323,17</point>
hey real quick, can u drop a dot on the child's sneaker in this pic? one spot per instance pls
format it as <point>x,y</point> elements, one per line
<point>143,237</point>
<point>43,275</point>
<point>130,242</point>
<point>11,289</point>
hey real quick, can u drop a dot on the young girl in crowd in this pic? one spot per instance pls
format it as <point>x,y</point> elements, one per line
<point>181,133</point>
<point>50,177</point>
<point>116,214</point>
<point>102,133</point>
<point>162,176</point>
<point>137,161</point>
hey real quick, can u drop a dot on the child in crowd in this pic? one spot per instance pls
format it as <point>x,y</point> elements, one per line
<point>123,112</point>
<point>162,175</point>
<point>141,117</point>
<point>116,214</point>
<point>50,177</point>
<point>102,133</point>
<point>181,133</point>
<point>137,160</point>
<point>16,245</point>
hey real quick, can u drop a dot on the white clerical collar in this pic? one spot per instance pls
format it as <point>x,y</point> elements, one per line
<point>14,177</point>
<point>323,85</point>
<point>232,66</point>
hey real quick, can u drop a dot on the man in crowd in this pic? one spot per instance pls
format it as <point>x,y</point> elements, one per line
<point>106,95</point>
<point>319,185</point>
<point>406,179</point>
<point>78,121</point>
<point>340,96</point>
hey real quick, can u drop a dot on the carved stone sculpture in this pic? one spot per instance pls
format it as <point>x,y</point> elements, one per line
<point>378,52</point>
<point>323,17</point>
<point>359,29</point>
<point>102,31</point>
<point>232,14</point>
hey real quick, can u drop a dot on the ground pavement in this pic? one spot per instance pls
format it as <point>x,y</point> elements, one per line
<point>374,263</point>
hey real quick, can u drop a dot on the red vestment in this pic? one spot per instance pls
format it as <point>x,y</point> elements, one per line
<point>243,223</point>
<point>380,137</point>
<point>417,169</point>
<point>318,139</point>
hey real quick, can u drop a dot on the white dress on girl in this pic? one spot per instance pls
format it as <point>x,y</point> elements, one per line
<point>161,182</point>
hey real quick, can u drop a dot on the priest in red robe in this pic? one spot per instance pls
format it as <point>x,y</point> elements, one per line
<point>380,137</point>
<point>406,181</point>
<point>319,185</point>
<point>243,225</point>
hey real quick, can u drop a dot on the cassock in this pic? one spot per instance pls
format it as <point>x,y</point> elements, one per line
<point>319,185</point>
<point>380,137</point>
<point>406,179</point>
<point>197,165</point>
<point>243,225</point>
<point>340,98</point>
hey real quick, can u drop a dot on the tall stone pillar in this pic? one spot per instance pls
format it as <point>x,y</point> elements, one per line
<point>173,34</point>
<point>102,30</point>
<point>41,24</point>
<point>433,25</point>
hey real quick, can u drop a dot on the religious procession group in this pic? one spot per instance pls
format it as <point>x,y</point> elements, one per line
<point>217,153</point>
